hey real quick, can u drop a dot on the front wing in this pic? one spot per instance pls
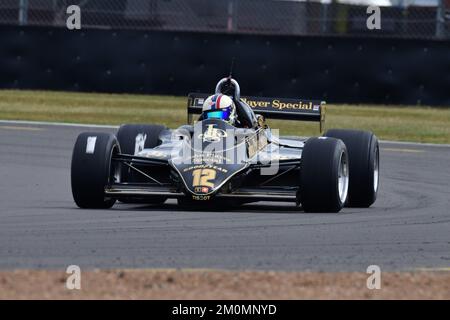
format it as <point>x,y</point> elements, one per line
<point>155,188</point>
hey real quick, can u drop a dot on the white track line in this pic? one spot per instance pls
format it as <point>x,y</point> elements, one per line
<point>410,143</point>
<point>59,124</point>
<point>83,125</point>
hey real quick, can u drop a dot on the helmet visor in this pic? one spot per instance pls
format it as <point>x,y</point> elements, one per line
<point>222,114</point>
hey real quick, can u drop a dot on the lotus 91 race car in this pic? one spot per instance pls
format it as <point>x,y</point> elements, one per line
<point>210,161</point>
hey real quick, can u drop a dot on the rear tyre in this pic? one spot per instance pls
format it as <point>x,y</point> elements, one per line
<point>92,170</point>
<point>364,164</point>
<point>324,175</point>
<point>133,138</point>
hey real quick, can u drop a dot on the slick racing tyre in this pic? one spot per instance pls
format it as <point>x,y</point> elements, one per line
<point>92,169</point>
<point>133,138</point>
<point>324,175</point>
<point>364,163</point>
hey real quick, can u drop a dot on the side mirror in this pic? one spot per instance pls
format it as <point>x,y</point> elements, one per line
<point>261,121</point>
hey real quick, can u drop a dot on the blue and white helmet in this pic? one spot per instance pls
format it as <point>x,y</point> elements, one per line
<point>219,106</point>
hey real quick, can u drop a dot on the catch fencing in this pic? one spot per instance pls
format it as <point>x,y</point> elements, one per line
<point>425,19</point>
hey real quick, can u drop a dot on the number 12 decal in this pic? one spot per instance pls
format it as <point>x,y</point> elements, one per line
<point>203,177</point>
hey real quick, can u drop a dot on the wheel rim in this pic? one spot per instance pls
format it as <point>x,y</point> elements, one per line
<point>115,172</point>
<point>343,178</point>
<point>376,170</point>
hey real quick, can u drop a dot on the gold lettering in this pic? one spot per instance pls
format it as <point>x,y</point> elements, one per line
<point>256,103</point>
<point>203,177</point>
<point>277,104</point>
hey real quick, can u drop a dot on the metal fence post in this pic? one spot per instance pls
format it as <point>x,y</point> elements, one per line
<point>23,12</point>
<point>440,20</point>
<point>230,22</point>
<point>324,16</point>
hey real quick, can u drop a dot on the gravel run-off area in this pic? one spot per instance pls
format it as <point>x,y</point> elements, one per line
<point>216,284</point>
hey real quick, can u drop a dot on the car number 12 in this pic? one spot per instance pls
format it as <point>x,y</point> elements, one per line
<point>203,177</point>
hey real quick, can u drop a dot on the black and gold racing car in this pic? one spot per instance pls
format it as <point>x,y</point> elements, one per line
<point>209,162</point>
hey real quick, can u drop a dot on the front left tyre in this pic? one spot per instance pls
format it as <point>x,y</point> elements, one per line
<point>324,175</point>
<point>92,169</point>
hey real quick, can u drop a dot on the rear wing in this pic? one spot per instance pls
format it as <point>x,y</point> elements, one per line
<point>271,108</point>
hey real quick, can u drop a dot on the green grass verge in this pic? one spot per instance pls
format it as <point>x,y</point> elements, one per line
<point>422,124</point>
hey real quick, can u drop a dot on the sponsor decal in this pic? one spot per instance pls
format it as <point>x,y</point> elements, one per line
<point>256,103</point>
<point>212,134</point>
<point>210,158</point>
<point>205,166</point>
<point>90,145</point>
<point>200,197</point>
<point>277,104</point>
<point>204,178</point>
<point>201,189</point>
<point>199,101</point>
<point>139,142</point>
<point>281,104</point>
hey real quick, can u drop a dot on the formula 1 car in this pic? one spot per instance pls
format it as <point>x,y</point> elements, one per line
<point>210,162</point>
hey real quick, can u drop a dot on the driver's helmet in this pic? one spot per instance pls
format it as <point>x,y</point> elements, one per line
<point>219,106</point>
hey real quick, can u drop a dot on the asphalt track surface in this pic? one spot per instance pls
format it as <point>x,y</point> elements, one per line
<point>40,227</point>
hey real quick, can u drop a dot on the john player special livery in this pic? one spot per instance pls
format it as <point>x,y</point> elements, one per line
<point>228,155</point>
